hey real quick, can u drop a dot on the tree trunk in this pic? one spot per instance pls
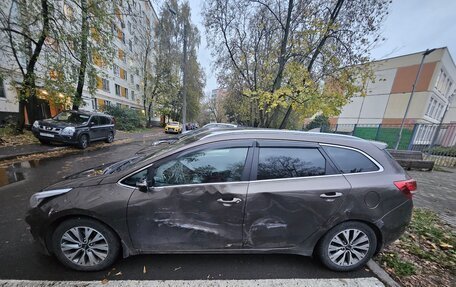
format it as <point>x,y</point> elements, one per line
<point>84,55</point>
<point>282,60</point>
<point>28,89</point>
<point>149,118</point>
<point>322,42</point>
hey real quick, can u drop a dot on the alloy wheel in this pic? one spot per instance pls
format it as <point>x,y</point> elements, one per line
<point>84,246</point>
<point>348,247</point>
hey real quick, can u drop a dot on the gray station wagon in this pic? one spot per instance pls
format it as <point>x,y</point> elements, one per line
<point>338,198</point>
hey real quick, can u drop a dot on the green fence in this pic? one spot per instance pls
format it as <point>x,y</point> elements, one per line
<point>384,133</point>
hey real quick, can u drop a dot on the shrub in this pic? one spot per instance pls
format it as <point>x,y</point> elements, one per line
<point>319,121</point>
<point>126,119</point>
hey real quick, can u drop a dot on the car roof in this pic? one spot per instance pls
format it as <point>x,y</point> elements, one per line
<point>89,113</point>
<point>274,134</point>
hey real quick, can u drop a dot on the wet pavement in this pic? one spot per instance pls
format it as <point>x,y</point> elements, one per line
<point>20,260</point>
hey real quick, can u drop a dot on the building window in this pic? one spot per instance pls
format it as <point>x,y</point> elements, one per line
<point>132,79</point>
<point>129,27</point>
<point>2,89</point>
<point>123,74</point>
<point>116,70</point>
<point>105,85</point>
<point>126,93</point>
<point>107,103</point>
<point>130,45</point>
<point>117,90</point>
<point>137,87</point>
<point>133,95</point>
<point>94,104</point>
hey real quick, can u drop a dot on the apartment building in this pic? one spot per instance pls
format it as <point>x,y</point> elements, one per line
<point>388,95</point>
<point>118,83</point>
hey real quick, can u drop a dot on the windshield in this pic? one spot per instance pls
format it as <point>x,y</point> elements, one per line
<point>72,117</point>
<point>173,123</point>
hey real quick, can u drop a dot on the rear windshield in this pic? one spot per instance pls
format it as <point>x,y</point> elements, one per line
<point>72,117</point>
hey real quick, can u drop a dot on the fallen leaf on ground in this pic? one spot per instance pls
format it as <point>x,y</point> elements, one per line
<point>144,270</point>
<point>104,281</point>
<point>175,269</point>
<point>118,273</point>
<point>445,246</point>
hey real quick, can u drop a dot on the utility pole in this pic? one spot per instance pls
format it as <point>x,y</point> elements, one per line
<point>184,80</point>
<point>427,52</point>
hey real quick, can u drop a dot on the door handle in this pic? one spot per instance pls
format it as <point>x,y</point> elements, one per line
<point>229,202</point>
<point>331,195</point>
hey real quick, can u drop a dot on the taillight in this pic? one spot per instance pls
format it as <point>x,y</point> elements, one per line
<point>408,187</point>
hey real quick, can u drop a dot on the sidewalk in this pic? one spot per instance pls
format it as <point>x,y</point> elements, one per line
<point>437,192</point>
<point>23,150</point>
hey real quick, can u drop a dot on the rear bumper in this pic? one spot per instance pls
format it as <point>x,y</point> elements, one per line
<point>393,224</point>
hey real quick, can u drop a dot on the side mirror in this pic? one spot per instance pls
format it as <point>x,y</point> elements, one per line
<point>142,186</point>
<point>91,124</point>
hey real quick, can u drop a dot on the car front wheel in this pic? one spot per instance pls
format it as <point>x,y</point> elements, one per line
<point>83,141</point>
<point>110,137</point>
<point>347,246</point>
<point>85,244</point>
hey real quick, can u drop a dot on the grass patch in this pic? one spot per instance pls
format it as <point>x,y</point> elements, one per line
<point>426,251</point>
<point>400,266</point>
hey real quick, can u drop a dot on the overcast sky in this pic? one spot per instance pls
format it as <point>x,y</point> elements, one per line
<point>411,26</point>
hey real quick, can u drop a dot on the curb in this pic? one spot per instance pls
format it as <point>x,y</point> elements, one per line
<point>381,274</point>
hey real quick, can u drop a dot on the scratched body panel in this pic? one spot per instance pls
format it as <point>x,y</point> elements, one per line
<point>187,217</point>
<point>282,215</point>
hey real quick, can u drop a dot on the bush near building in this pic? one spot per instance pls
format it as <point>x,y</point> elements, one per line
<point>126,119</point>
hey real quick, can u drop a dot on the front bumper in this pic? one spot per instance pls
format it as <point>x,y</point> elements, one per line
<point>55,137</point>
<point>172,130</point>
<point>37,220</point>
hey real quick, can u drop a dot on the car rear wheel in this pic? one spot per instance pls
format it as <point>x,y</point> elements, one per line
<point>85,244</point>
<point>347,247</point>
<point>110,137</point>
<point>83,141</point>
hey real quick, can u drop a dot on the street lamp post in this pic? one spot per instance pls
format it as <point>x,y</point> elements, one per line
<point>427,52</point>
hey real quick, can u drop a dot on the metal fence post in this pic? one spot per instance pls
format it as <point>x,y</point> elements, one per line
<point>354,130</point>
<point>412,138</point>
<point>378,131</point>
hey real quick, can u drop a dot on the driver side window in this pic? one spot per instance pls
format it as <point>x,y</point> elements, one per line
<point>206,166</point>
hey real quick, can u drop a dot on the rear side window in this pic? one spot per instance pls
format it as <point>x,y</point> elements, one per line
<point>350,161</point>
<point>290,162</point>
<point>105,121</point>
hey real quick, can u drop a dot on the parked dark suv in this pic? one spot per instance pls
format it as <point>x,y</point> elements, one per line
<point>75,127</point>
<point>337,197</point>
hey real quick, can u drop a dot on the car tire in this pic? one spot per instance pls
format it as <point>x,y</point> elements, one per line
<point>71,247</point>
<point>110,137</point>
<point>83,142</point>
<point>347,246</point>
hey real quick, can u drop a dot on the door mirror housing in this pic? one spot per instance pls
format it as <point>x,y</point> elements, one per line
<point>142,186</point>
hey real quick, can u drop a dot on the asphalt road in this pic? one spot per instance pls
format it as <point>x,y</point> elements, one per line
<point>20,260</point>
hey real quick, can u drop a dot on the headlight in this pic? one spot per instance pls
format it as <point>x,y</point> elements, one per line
<point>36,124</point>
<point>68,131</point>
<point>38,197</point>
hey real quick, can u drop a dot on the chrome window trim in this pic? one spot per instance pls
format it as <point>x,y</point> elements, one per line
<point>295,178</point>
<point>380,167</point>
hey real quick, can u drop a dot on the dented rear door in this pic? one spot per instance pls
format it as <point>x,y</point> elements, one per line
<point>295,192</point>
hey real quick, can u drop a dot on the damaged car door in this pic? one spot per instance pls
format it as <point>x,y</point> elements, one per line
<point>294,192</point>
<point>195,199</point>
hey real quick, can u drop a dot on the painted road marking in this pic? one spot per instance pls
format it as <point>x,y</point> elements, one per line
<point>348,282</point>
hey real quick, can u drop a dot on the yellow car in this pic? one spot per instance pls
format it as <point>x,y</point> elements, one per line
<point>173,127</point>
